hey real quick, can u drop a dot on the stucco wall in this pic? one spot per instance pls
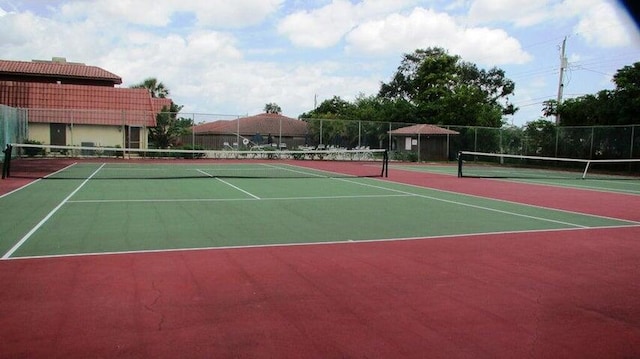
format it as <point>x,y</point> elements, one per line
<point>99,136</point>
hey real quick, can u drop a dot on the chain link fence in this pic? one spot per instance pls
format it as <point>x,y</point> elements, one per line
<point>129,129</point>
<point>13,125</point>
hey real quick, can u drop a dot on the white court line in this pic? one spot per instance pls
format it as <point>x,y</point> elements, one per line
<point>229,184</point>
<point>306,173</point>
<point>176,200</point>
<point>344,242</point>
<point>46,218</point>
<point>37,180</point>
<point>517,203</point>
<point>579,186</point>
<point>19,188</point>
<point>469,205</point>
<point>238,188</point>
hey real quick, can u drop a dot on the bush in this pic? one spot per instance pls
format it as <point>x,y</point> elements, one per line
<point>191,155</point>
<point>31,151</point>
<point>403,156</point>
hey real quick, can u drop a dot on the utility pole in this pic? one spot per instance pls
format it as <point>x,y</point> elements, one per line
<point>563,65</point>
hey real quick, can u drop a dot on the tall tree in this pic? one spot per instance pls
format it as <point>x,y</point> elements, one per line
<point>620,106</point>
<point>627,93</point>
<point>445,90</point>
<point>334,107</point>
<point>156,89</point>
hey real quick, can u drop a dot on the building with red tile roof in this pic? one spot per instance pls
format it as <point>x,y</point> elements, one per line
<point>257,130</point>
<point>75,104</point>
<point>429,142</point>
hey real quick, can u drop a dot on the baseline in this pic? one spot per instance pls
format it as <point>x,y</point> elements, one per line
<point>304,244</point>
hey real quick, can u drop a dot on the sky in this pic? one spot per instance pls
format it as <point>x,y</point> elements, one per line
<point>233,57</point>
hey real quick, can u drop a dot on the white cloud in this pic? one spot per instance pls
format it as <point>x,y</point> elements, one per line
<point>519,12</point>
<point>18,28</point>
<point>426,28</point>
<point>600,22</point>
<point>228,14</point>
<point>245,87</point>
<point>211,13</point>
<point>326,26</point>
<point>320,28</point>
<point>604,26</point>
<point>141,12</point>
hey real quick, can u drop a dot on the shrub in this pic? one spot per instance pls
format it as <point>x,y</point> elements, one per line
<point>191,155</point>
<point>31,151</point>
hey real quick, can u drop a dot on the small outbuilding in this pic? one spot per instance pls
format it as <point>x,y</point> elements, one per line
<point>266,129</point>
<point>429,142</point>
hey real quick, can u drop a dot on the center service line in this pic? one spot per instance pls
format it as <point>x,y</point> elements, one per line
<point>229,184</point>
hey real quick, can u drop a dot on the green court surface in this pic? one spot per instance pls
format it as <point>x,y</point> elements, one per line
<point>621,185</point>
<point>87,213</point>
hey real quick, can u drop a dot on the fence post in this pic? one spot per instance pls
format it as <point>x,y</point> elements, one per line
<point>633,128</point>
<point>475,139</point>
<point>193,133</point>
<point>557,140</point>
<point>591,149</point>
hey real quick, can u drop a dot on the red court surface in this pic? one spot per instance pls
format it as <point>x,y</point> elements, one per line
<point>552,294</point>
<point>570,294</point>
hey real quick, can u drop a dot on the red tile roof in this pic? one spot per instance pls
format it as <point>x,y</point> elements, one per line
<point>97,105</point>
<point>56,69</point>
<point>423,129</point>
<point>264,124</point>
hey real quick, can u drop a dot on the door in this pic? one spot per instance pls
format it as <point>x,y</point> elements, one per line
<point>132,139</point>
<point>58,134</point>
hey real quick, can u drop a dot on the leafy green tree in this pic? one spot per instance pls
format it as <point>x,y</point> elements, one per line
<point>512,139</point>
<point>156,89</point>
<point>442,89</point>
<point>627,94</point>
<point>335,107</point>
<point>620,106</point>
<point>540,138</point>
<point>169,127</point>
<point>598,109</point>
<point>272,108</point>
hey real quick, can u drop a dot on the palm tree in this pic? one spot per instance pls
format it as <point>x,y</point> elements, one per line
<point>272,108</point>
<point>155,88</point>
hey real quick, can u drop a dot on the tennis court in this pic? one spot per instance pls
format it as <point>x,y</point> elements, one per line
<point>313,259</point>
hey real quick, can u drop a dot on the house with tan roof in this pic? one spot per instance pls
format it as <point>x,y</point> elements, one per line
<point>74,104</point>
<point>429,142</point>
<point>265,129</point>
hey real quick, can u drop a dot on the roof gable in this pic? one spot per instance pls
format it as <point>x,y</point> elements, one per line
<point>423,129</point>
<point>56,69</point>
<point>265,123</point>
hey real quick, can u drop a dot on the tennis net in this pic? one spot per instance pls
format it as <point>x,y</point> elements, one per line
<point>77,162</point>
<point>494,165</point>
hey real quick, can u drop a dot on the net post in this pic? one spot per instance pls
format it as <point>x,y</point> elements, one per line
<point>586,168</point>
<point>6,163</point>
<point>459,164</point>
<point>385,164</point>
